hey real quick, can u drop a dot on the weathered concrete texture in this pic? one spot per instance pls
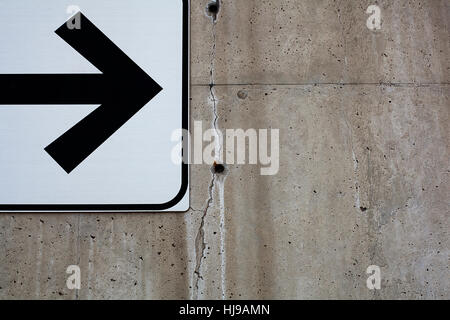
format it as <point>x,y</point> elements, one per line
<point>363,180</point>
<point>35,251</point>
<point>324,41</point>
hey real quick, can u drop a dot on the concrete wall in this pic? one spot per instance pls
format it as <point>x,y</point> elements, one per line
<point>363,180</point>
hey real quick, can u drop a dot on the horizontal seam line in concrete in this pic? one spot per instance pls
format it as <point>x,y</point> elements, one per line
<point>398,84</point>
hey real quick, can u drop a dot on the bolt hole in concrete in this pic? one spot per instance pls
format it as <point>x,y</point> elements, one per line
<point>212,9</point>
<point>218,168</point>
<point>242,94</point>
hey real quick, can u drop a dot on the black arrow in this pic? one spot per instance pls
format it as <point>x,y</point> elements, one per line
<point>122,90</point>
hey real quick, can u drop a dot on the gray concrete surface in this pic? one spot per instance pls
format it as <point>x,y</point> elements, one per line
<point>363,180</point>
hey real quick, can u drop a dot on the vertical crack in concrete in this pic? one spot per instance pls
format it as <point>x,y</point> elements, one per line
<point>200,243</point>
<point>221,184</point>
<point>218,149</point>
<point>218,156</point>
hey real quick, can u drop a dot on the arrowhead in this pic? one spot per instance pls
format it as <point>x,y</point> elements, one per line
<point>127,86</point>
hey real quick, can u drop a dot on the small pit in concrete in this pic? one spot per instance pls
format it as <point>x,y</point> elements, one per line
<point>242,94</point>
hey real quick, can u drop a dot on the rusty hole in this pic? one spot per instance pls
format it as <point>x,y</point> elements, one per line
<point>212,9</point>
<point>218,168</point>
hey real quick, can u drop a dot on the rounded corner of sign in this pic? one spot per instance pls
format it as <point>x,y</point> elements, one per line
<point>180,196</point>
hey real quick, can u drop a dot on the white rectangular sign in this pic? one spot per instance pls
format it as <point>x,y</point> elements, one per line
<point>90,95</point>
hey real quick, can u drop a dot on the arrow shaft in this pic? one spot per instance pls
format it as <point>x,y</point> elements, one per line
<point>41,89</point>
